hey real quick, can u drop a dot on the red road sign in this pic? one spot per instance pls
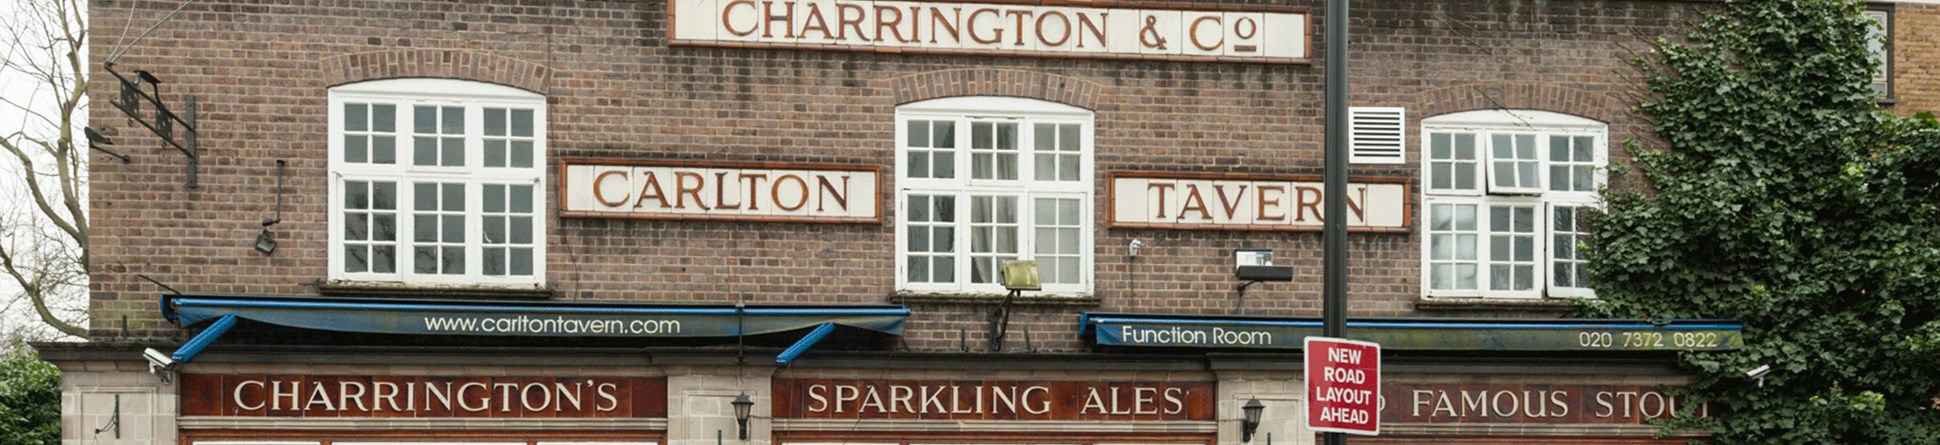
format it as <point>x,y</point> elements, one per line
<point>1343,386</point>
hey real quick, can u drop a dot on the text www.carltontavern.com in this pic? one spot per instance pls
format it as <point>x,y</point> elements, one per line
<point>556,325</point>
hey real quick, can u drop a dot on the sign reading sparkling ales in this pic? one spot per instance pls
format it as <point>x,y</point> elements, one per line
<point>720,191</point>
<point>258,395</point>
<point>1102,29</point>
<point>991,400</point>
<point>1249,202</point>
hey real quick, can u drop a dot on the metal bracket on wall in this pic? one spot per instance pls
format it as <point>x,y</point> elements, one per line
<point>163,123</point>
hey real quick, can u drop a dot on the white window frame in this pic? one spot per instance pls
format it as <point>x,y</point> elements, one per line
<point>1027,113</point>
<point>1484,124</point>
<point>1881,46</point>
<point>474,97</point>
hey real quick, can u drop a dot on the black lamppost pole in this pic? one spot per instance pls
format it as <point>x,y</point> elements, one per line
<point>1334,175</point>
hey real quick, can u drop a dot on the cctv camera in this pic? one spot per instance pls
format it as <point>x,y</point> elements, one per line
<point>156,359</point>
<point>1759,372</point>
<point>1136,244</point>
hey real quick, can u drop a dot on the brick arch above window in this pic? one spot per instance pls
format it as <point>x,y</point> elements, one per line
<point>995,82</point>
<point>436,63</point>
<point>1521,96</point>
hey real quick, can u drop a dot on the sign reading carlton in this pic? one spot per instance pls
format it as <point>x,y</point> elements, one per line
<point>1343,386</point>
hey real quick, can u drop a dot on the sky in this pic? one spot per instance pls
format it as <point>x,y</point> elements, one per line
<point>15,312</point>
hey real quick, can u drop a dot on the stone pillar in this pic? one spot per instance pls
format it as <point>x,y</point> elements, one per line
<point>699,404</point>
<point>98,396</point>
<point>1280,391</point>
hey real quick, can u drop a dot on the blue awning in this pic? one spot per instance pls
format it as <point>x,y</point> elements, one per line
<point>532,319</point>
<point>1428,334</point>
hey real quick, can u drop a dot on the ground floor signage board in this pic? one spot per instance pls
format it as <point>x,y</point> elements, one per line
<point>1103,29</point>
<point>1131,330</point>
<point>1343,386</point>
<point>1190,201</point>
<point>720,191</point>
<point>1415,403</point>
<point>295,395</point>
<point>449,317</point>
<point>992,400</point>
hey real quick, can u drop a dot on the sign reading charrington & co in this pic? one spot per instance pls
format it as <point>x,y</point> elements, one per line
<point>769,192</point>
<point>1105,29</point>
<point>1220,201</point>
<point>991,400</point>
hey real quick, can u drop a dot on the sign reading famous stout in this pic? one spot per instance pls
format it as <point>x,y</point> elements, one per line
<point>1537,403</point>
<point>1252,202</point>
<point>771,192</point>
<point>260,395</point>
<point>991,400</point>
<point>1105,29</point>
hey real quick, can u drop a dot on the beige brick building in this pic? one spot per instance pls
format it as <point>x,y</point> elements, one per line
<point>565,222</point>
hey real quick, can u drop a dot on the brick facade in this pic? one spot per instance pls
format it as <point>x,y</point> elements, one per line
<point>261,72</point>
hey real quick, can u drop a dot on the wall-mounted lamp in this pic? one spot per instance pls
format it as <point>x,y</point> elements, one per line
<point>1251,423</point>
<point>1254,266</point>
<point>742,406</point>
<point>1136,245</point>
<point>1018,276</point>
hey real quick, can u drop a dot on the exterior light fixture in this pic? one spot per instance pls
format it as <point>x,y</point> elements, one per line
<point>1253,266</point>
<point>1018,276</point>
<point>1251,423</point>
<point>265,242</point>
<point>742,406</point>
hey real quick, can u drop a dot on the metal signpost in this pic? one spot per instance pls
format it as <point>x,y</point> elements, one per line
<point>1334,176</point>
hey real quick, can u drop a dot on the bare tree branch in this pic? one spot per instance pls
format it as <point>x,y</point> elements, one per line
<point>44,246</point>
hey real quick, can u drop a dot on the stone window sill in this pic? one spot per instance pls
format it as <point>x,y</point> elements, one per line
<point>480,292</point>
<point>1028,298</point>
<point>1431,304</point>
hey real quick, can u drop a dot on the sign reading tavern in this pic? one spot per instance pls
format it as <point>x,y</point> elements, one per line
<point>720,191</point>
<point>1171,31</point>
<point>1252,202</point>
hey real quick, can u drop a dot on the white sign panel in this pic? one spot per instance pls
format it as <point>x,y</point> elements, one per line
<point>746,192</point>
<point>1273,34</point>
<point>1237,202</point>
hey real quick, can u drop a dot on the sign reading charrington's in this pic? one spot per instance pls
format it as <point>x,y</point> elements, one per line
<point>772,192</point>
<point>1252,202</point>
<point>257,395</point>
<point>1171,31</point>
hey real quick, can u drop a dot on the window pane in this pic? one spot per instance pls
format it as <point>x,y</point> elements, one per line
<point>522,154</point>
<point>1465,146</point>
<point>356,227</point>
<point>494,121</point>
<point>1007,240</point>
<point>521,199</point>
<point>1068,212</point>
<point>383,259</point>
<point>424,228</point>
<point>1439,147</point>
<point>1501,147</point>
<point>1006,136</point>
<point>1525,248</point>
<point>1007,210</point>
<point>1046,167</point>
<point>454,152</point>
<point>1045,137</point>
<point>494,261</point>
<point>1069,138</point>
<point>1441,247</point>
<point>383,149</point>
<point>1465,246</point>
<point>1006,166</point>
<point>1526,174</point>
<point>1500,277</point>
<point>980,271</point>
<point>1559,177</point>
<point>522,123</point>
<point>1068,241</point>
<point>384,227</point>
<point>424,119</point>
<point>1465,176</point>
<point>1045,237</point>
<point>425,260</point>
<point>980,209</point>
<point>1525,219</point>
<point>385,195</point>
<point>919,164</point>
<point>980,165</point>
<point>944,240</point>
<point>1068,271</point>
<point>424,151</point>
<point>355,150</point>
<point>454,229</point>
<point>945,269</point>
<point>384,118</point>
<point>946,165</point>
<point>919,269</point>
<point>522,232</point>
<point>1045,212</point>
<point>1564,220</point>
<point>1465,217</point>
<point>494,153</point>
<point>454,260</point>
<point>454,120</point>
<point>1440,174</point>
<point>1441,276</point>
<point>1585,179</point>
<point>1465,276</point>
<point>1563,248</point>
<point>356,117</point>
<point>1441,217</point>
<point>1525,277</point>
<point>1498,219</point>
<point>494,230</point>
<point>1068,168</point>
<point>494,198</point>
<point>919,239</point>
<point>1499,248</point>
<point>919,208</point>
<point>1505,174</point>
<point>945,208</point>
<point>1526,146</point>
<point>354,260</point>
<point>425,196</point>
<point>356,195</point>
<point>943,134</point>
<point>454,198</point>
<point>980,135</point>
<point>1563,277</point>
<point>522,262</point>
<point>919,133</point>
<point>1582,149</point>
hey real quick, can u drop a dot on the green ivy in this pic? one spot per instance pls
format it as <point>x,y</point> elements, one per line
<point>1784,198</point>
<point>30,398</point>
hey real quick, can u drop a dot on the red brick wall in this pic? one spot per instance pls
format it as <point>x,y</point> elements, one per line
<point>1916,58</point>
<point>616,89</point>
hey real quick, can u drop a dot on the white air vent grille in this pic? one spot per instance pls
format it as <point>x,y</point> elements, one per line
<point>1377,136</point>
